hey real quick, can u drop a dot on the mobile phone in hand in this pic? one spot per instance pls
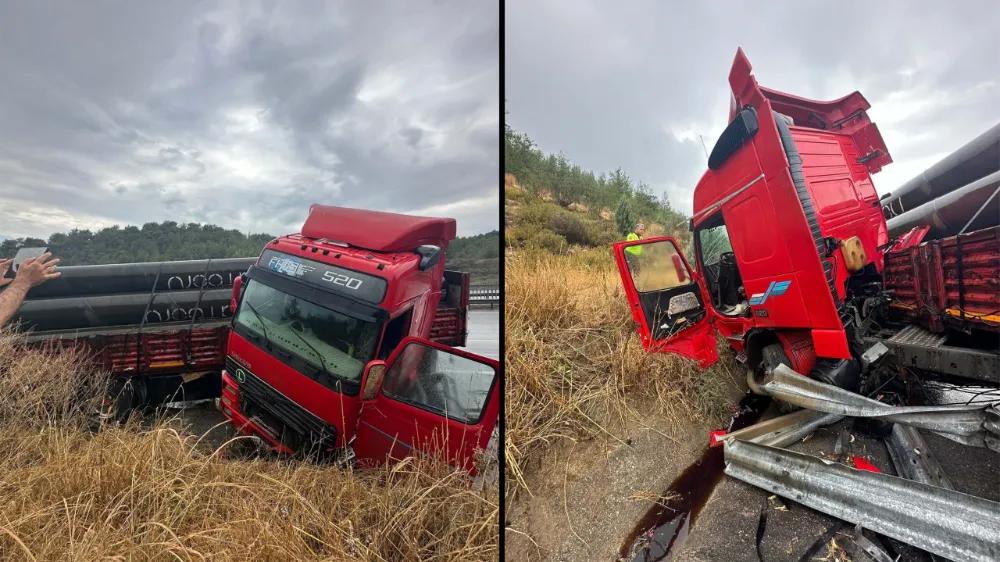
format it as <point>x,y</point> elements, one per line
<point>24,254</point>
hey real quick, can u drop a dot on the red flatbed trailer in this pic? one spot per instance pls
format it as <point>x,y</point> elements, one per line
<point>952,282</point>
<point>175,348</point>
<point>164,362</point>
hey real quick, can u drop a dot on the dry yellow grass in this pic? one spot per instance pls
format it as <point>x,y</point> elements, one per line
<point>574,364</point>
<point>155,493</point>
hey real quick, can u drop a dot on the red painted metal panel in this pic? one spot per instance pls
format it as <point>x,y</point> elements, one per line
<point>931,281</point>
<point>799,349</point>
<point>697,342</point>
<point>151,353</point>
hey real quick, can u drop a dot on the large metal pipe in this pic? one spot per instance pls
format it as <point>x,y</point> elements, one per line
<point>123,309</point>
<point>86,280</point>
<point>979,157</point>
<point>948,214</point>
<point>149,328</point>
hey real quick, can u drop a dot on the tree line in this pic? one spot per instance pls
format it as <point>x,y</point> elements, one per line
<point>170,241</point>
<point>568,183</point>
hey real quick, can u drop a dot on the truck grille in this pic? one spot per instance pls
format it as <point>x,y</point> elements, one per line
<point>257,397</point>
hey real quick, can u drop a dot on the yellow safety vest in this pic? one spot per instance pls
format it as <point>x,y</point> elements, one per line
<point>634,250</point>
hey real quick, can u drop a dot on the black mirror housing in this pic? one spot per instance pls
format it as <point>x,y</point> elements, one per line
<point>429,256</point>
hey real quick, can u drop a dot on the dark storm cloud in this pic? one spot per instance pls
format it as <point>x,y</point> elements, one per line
<point>245,113</point>
<point>635,84</point>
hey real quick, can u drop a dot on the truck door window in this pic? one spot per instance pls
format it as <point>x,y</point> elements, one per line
<point>722,276</point>
<point>656,266</point>
<point>395,331</point>
<point>439,382</point>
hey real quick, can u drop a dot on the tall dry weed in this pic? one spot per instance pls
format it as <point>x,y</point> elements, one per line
<point>574,364</point>
<point>153,493</point>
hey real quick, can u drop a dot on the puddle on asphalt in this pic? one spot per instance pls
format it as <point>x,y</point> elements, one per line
<point>665,527</point>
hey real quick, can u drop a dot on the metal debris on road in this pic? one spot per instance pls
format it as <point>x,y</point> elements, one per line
<point>913,459</point>
<point>784,430</point>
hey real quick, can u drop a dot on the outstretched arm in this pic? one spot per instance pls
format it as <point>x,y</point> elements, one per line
<point>33,272</point>
<point>11,299</point>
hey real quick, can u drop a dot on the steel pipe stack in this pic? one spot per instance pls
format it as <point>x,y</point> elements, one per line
<point>976,159</point>
<point>96,296</point>
<point>85,280</point>
<point>949,214</point>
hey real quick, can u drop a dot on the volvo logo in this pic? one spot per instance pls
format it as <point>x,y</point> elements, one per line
<point>241,361</point>
<point>241,377</point>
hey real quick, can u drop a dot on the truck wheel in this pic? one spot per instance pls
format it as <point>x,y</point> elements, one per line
<point>771,356</point>
<point>124,395</point>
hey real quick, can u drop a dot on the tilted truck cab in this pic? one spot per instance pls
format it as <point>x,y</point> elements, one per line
<point>331,349</point>
<point>785,215</point>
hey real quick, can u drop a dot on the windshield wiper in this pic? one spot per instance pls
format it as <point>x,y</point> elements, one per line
<point>326,371</point>
<point>267,340</point>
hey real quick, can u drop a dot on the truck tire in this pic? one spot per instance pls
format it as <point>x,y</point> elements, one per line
<point>124,395</point>
<point>771,356</point>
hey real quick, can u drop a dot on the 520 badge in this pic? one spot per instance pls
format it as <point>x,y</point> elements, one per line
<point>352,283</point>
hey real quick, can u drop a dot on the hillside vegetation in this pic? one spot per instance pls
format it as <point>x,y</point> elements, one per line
<point>575,367</point>
<point>170,241</point>
<point>553,204</point>
<point>157,492</point>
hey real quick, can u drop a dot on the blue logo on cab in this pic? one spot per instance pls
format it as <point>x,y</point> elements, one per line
<point>775,289</point>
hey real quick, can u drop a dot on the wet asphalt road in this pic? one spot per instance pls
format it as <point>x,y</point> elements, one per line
<point>484,333</point>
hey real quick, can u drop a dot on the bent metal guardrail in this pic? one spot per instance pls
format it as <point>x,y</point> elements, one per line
<point>484,295</point>
<point>951,524</point>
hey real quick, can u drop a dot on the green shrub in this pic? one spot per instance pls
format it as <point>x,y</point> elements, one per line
<point>570,227</point>
<point>546,240</point>
<point>601,234</point>
<point>536,214</point>
<point>511,193</point>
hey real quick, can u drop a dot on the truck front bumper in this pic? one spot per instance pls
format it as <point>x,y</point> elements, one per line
<point>229,402</point>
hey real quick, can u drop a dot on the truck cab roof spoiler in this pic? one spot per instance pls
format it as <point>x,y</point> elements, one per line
<point>377,231</point>
<point>847,115</point>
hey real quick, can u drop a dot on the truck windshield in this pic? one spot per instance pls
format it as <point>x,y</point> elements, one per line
<point>323,338</point>
<point>714,242</point>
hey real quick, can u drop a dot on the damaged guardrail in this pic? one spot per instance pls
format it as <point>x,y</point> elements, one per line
<point>913,459</point>
<point>974,425</point>
<point>941,521</point>
<point>784,430</point>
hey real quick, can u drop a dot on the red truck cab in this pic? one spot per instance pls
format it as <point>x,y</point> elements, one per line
<point>331,349</point>
<point>785,220</point>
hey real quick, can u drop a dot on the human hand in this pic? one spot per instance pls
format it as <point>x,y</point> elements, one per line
<point>4,266</point>
<point>35,271</point>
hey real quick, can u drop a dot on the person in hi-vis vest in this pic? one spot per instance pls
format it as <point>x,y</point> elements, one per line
<point>633,252</point>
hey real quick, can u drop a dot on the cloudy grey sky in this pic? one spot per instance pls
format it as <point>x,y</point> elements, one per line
<point>634,83</point>
<point>244,113</point>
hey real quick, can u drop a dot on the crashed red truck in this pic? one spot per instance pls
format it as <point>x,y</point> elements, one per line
<point>338,344</point>
<point>795,265</point>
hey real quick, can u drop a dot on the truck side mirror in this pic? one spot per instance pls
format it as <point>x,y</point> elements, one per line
<point>371,381</point>
<point>679,268</point>
<point>429,256</point>
<point>237,290</point>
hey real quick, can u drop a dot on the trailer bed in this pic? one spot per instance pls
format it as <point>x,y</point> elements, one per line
<point>166,349</point>
<point>948,283</point>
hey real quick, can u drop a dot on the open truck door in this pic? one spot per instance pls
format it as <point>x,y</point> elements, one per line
<point>428,399</point>
<point>666,299</point>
